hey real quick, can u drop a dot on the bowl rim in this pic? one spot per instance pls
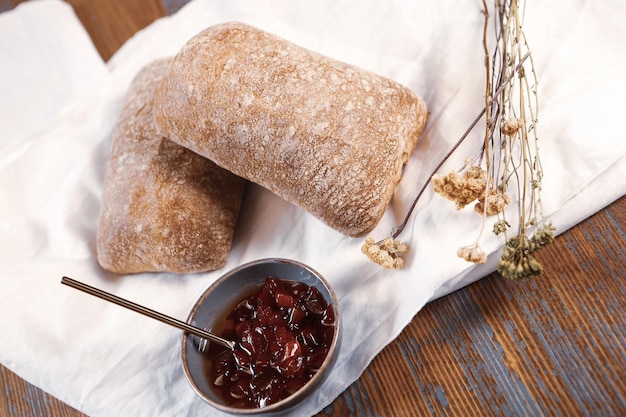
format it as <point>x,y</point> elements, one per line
<point>285,403</point>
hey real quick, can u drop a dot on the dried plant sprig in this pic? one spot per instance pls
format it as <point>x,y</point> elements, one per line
<point>509,151</point>
<point>472,253</point>
<point>516,261</point>
<point>397,230</point>
<point>387,253</point>
<point>515,134</point>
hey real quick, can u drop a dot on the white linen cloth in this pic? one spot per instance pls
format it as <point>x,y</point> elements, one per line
<point>59,103</point>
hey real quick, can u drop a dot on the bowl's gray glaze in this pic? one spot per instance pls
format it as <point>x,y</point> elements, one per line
<point>220,297</point>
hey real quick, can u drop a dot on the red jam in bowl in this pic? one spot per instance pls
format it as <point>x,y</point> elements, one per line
<point>282,333</point>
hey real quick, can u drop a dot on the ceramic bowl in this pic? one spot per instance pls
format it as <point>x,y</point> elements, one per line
<point>220,297</point>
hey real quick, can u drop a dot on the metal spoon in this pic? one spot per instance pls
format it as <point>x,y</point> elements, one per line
<point>147,312</point>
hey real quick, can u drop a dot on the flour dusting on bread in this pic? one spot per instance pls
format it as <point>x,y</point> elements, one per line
<point>164,207</point>
<point>324,135</point>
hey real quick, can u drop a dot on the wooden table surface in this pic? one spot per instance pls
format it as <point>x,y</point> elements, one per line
<point>553,345</point>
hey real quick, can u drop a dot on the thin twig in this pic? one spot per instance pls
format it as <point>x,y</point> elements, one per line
<point>398,229</point>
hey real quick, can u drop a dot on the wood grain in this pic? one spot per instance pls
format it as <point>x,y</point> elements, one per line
<point>554,345</point>
<point>110,23</point>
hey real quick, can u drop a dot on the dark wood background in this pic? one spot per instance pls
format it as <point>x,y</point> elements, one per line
<point>553,345</point>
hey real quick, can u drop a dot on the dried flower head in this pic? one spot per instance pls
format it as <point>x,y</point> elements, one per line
<point>386,253</point>
<point>500,226</point>
<point>462,189</point>
<point>516,261</point>
<point>511,126</point>
<point>472,253</point>
<point>544,235</point>
<point>496,201</point>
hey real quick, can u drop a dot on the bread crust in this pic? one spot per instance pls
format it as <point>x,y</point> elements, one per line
<point>164,208</point>
<point>325,135</point>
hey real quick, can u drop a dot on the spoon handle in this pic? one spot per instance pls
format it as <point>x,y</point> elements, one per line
<point>146,311</point>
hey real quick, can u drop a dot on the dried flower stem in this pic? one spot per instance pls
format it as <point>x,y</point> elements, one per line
<point>515,134</point>
<point>509,150</point>
<point>397,230</point>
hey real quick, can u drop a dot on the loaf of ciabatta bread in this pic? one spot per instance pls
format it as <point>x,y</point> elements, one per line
<point>325,135</point>
<point>164,208</point>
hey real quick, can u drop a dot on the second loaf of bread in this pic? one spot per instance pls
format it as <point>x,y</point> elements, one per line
<point>164,207</point>
<point>324,135</point>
